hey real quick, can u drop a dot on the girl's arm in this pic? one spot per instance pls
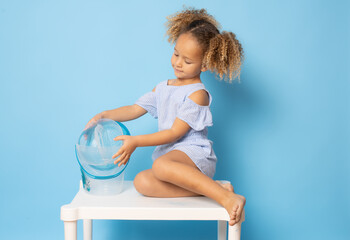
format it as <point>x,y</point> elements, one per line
<point>177,131</point>
<point>125,113</point>
<point>179,128</point>
<point>120,114</point>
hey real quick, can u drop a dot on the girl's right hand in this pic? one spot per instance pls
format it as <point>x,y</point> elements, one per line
<point>93,121</point>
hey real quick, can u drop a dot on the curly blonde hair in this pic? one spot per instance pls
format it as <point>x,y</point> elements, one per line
<point>222,52</point>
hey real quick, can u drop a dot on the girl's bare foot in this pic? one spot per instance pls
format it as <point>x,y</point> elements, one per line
<point>234,206</point>
<point>225,184</point>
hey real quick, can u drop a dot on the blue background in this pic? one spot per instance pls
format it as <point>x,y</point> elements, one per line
<point>281,135</point>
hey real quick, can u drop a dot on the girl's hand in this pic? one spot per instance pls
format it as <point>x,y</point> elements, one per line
<point>93,121</point>
<point>125,151</point>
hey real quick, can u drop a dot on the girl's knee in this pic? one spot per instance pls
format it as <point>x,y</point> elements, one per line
<point>143,183</point>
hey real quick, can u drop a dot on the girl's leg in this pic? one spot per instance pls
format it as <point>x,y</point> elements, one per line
<point>147,184</point>
<point>178,169</point>
<point>227,185</point>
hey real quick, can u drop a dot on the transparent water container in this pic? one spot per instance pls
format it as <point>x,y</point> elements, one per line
<point>94,151</point>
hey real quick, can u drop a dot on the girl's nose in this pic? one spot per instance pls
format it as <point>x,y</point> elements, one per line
<point>178,63</point>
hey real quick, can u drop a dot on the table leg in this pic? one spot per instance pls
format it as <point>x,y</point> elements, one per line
<point>222,228</point>
<point>87,229</point>
<point>234,232</point>
<point>70,230</point>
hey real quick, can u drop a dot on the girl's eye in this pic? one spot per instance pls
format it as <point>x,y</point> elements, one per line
<point>187,62</point>
<point>176,54</point>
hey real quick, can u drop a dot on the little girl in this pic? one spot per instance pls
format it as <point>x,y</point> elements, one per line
<point>184,161</point>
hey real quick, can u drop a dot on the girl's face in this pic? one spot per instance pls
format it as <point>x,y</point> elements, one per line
<point>187,58</point>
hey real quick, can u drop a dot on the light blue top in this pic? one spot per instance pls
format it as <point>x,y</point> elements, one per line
<point>169,102</point>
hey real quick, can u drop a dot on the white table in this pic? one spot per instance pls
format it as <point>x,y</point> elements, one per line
<point>130,205</point>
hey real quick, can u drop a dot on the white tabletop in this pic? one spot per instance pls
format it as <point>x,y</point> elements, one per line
<point>130,205</point>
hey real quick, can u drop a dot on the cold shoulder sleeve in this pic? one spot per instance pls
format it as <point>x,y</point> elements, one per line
<point>149,103</point>
<point>197,116</point>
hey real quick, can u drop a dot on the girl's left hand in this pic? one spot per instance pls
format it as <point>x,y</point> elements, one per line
<point>125,150</point>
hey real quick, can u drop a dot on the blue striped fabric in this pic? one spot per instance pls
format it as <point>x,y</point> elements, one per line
<point>169,102</point>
